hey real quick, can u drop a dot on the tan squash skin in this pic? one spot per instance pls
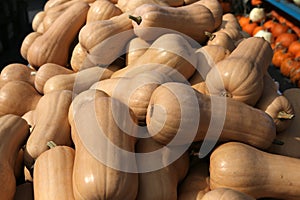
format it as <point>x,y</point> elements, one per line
<point>18,71</point>
<point>27,42</point>
<point>222,39</point>
<point>161,183</point>
<point>47,71</point>
<point>24,191</point>
<point>240,75</point>
<point>51,124</point>
<point>135,48</point>
<point>216,53</point>
<point>18,97</point>
<point>96,32</point>
<point>37,20</point>
<point>78,57</point>
<point>170,54</point>
<point>290,136</point>
<point>54,182</point>
<point>135,91</point>
<point>53,3</point>
<point>13,134</point>
<point>196,183</point>
<point>53,45</point>
<point>106,182</point>
<point>256,173</point>
<point>275,105</point>
<point>53,13</point>
<point>166,116</point>
<point>230,21</point>
<point>215,8</point>
<point>77,82</point>
<point>102,10</point>
<point>191,20</point>
<point>226,194</point>
<point>130,5</point>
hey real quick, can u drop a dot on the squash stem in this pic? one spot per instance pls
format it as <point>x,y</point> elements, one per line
<point>209,35</point>
<point>51,144</point>
<point>284,115</point>
<point>137,19</point>
<point>278,142</point>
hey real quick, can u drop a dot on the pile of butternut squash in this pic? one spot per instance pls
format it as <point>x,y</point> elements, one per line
<point>145,99</point>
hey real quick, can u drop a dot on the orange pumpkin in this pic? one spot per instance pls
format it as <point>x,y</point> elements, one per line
<point>279,56</point>
<point>294,47</point>
<point>278,29</point>
<point>289,65</point>
<point>286,39</point>
<point>249,28</point>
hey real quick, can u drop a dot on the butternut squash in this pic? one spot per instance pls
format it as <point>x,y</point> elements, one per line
<point>215,53</point>
<point>135,48</point>
<point>78,57</point>
<point>53,3</point>
<point>54,44</point>
<point>18,97</point>
<point>51,124</point>
<point>98,174</point>
<point>215,8</point>
<point>52,173</point>
<point>130,5</point>
<point>102,10</point>
<point>151,21</point>
<point>160,183</point>
<point>96,32</point>
<point>53,13</point>
<point>77,82</point>
<point>27,42</point>
<point>196,183</point>
<point>290,137</point>
<point>246,65</point>
<point>226,194</point>
<point>38,20</point>
<point>18,71</point>
<point>170,115</point>
<point>275,105</point>
<point>222,39</point>
<point>47,71</point>
<point>13,134</point>
<point>252,171</point>
<point>170,54</point>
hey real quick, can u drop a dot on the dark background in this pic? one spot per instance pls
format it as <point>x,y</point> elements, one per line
<point>15,22</point>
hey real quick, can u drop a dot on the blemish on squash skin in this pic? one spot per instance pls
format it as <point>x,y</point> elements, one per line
<point>151,110</point>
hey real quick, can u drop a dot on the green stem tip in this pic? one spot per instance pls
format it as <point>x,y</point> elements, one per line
<point>278,142</point>
<point>51,144</point>
<point>284,115</point>
<point>137,19</point>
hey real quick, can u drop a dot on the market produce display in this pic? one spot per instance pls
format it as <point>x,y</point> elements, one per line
<point>151,99</point>
<point>282,33</point>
